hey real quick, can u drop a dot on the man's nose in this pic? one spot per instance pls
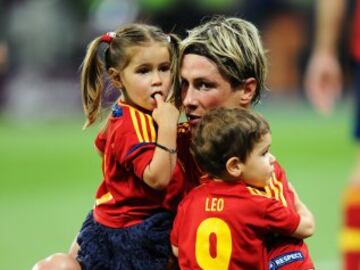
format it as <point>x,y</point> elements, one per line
<point>189,96</point>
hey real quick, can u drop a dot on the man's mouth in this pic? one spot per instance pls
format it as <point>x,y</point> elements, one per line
<point>193,119</point>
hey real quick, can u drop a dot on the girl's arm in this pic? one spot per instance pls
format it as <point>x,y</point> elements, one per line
<point>159,171</point>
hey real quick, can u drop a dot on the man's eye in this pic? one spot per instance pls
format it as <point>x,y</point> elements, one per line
<point>204,86</point>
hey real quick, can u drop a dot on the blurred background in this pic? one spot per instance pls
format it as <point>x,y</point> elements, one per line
<point>49,170</point>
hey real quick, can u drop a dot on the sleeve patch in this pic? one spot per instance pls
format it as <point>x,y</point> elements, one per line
<point>117,111</point>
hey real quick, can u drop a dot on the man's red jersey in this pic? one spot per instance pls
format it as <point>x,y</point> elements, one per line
<point>127,143</point>
<point>277,246</point>
<point>192,171</point>
<point>223,225</point>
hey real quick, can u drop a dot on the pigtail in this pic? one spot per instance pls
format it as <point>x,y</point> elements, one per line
<point>91,82</point>
<point>175,96</point>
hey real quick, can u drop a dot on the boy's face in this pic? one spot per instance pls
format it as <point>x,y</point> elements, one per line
<point>147,73</point>
<point>204,88</point>
<point>259,166</point>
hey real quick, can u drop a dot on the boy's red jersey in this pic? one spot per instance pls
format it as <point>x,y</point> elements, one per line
<point>127,143</point>
<point>277,246</point>
<point>223,225</point>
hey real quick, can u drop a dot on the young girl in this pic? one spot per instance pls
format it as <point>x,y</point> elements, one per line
<point>129,225</point>
<point>142,182</point>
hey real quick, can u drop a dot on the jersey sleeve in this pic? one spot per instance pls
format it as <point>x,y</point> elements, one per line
<point>100,141</point>
<point>140,159</point>
<point>280,219</point>
<point>134,142</point>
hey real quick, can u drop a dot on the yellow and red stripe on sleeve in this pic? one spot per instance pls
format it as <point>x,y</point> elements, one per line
<point>278,189</point>
<point>143,125</point>
<point>273,190</point>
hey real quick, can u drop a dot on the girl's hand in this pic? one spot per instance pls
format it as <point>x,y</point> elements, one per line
<point>159,171</point>
<point>165,114</point>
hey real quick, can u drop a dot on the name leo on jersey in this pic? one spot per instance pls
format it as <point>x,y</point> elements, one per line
<point>214,204</point>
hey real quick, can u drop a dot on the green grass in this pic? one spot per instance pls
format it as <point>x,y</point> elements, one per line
<point>49,174</point>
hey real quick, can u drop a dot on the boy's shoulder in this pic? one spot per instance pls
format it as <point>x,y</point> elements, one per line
<point>250,200</point>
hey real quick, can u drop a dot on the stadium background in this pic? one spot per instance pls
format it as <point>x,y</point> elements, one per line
<point>48,168</point>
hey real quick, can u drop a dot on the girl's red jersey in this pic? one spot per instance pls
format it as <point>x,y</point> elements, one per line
<point>127,143</point>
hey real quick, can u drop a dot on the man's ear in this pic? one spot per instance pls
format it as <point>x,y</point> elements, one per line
<point>234,167</point>
<point>115,77</point>
<point>249,88</point>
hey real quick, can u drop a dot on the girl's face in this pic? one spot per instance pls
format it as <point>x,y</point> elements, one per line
<point>204,88</point>
<point>147,73</point>
<point>259,166</point>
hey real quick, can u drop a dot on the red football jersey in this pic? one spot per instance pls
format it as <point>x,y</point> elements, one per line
<point>127,143</point>
<point>192,171</point>
<point>223,225</point>
<point>278,187</point>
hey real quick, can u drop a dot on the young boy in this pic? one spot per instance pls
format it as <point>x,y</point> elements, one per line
<point>224,222</point>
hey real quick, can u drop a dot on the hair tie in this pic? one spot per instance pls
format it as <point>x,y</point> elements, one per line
<point>168,38</point>
<point>108,37</point>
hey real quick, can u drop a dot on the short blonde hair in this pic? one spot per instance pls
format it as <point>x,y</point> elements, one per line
<point>234,45</point>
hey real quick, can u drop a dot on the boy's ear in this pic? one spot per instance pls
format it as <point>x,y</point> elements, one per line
<point>115,77</point>
<point>234,167</point>
<point>248,88</point>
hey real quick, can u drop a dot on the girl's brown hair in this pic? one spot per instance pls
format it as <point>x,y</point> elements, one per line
<point>116,56</point>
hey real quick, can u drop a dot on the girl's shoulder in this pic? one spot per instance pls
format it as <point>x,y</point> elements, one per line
<point>131,124</point>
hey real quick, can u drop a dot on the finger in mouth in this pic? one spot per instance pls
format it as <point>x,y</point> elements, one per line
<point>155,93</point>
